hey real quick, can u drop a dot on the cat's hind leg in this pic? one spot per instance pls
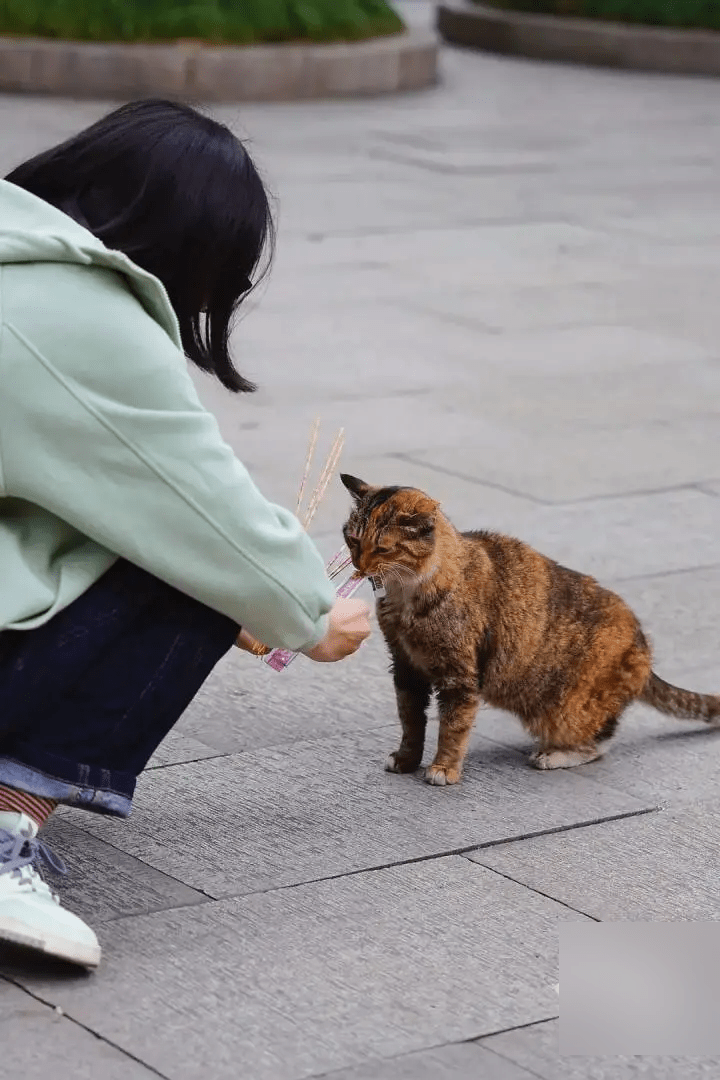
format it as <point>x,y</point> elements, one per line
<point>565,754</point>
<point>564,759</point>
<point>412,691</point>
<point>577,730</point>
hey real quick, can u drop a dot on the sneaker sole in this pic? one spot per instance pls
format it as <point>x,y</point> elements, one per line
<point>85,955</point>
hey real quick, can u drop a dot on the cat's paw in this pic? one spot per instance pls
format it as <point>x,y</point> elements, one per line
<point>564,759</point>
<point>399,762</point>
<point>439,775</point>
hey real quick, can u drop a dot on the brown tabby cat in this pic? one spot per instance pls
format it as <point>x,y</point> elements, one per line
<point>477,615</point>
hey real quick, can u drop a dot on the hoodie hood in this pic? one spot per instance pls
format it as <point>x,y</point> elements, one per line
<point>34,231</point>
<point>107,452</point>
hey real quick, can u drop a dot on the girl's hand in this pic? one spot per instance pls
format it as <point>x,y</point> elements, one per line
<point>349,627</point>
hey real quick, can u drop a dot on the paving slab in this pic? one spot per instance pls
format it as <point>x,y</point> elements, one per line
<point>538,306</point>
<point>646,457</point>
<point>38,1042</point>
<point>31,126</point>
<point>514,253</point>
<point>178,747</point>
<point>379,343</point>
<point>468,504</point>
<point>592,397</point>
<point>618,539</point>
<point>682,308</point>
<point>664,762</point>
<point>385,197</point>
<point>409,421</point>
<point>461,1061</point>
<point>536,1048</point>
<point>629,542</point>
<point>301,981</point>
<point>103,883</point>
<point>499,378</point>
<point>245,705</point>
<point>291,814</point>
<point>660,866</point>
<point>679,611</point>
<point>657,759</point>
<point>713,487</point>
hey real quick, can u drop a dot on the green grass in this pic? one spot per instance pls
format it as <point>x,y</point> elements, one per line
<point>683,13</point>
<point>214,21</point>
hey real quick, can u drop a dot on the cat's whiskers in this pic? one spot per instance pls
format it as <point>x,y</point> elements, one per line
<point>389,575</point>
<point>403,575</point>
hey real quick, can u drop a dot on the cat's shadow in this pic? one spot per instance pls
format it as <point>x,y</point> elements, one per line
<point>693,733</point>
<point>498,753</point>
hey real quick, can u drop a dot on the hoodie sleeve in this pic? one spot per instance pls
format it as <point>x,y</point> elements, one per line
<point>100,424</point>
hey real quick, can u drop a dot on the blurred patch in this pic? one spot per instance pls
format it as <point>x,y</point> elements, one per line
<point>640,989</point>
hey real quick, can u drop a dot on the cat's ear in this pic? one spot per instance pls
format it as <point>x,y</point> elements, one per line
<point>417,525</point>
<point>357,488</point>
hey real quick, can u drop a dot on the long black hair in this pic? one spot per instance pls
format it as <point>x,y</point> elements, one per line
<point>178,193</point>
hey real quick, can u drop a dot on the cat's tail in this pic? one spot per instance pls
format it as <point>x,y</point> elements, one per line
<point>684,704</point>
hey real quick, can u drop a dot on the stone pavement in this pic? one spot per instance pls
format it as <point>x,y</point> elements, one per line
<point>507,290</point>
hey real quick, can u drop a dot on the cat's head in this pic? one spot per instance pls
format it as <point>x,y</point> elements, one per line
<point>389,526</point>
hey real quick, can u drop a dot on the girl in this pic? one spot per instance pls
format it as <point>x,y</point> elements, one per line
<point>133,544</point>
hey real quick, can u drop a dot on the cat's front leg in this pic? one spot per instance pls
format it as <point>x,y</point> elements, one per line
<point>412,690</point>
<point>457,706</point>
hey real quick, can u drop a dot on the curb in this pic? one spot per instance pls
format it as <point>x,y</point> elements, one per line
<point>190,71</point>
<point>580,41</point>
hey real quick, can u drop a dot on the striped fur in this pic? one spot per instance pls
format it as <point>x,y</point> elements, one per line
<point>473,617</point>
<point>682,704</point>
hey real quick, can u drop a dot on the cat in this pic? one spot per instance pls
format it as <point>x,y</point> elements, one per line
<point>480,616</point>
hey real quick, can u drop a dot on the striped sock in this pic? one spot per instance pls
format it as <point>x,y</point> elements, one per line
<point>22,802</point>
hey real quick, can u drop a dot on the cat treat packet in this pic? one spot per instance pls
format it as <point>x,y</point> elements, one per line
<point>278,659</point>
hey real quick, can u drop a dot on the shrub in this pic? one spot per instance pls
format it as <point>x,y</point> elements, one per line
<point>213,21</point>
<point>684,13</point>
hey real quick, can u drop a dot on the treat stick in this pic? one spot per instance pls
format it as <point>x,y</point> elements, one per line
<point>308,463</point>
<point>312,505</point>
<point>326,474</point>
<point>325,477</point>
<point>338,557</point>
<point>339,568</point>
<point>279,658</point>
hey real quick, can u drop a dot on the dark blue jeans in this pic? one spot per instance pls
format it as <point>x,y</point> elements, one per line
<point>86,698</point>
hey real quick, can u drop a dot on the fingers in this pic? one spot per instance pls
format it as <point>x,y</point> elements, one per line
<point>337,645</point>
<point>349,627</point>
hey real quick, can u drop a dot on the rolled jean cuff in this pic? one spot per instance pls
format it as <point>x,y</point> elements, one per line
<point>103,791</point>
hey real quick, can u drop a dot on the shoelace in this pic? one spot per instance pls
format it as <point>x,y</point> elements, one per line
<point>18,852</point>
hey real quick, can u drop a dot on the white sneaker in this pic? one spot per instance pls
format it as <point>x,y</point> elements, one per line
<point>30,913</point>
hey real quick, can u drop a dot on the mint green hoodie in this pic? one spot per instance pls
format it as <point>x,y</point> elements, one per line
<point>106,450</point>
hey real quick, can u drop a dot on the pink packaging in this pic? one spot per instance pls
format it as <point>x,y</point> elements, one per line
<point>279,659</point>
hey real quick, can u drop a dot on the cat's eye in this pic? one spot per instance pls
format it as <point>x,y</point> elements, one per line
<point>382,549</point>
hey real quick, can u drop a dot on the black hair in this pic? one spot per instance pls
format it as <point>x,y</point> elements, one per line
<point>178,193</point>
